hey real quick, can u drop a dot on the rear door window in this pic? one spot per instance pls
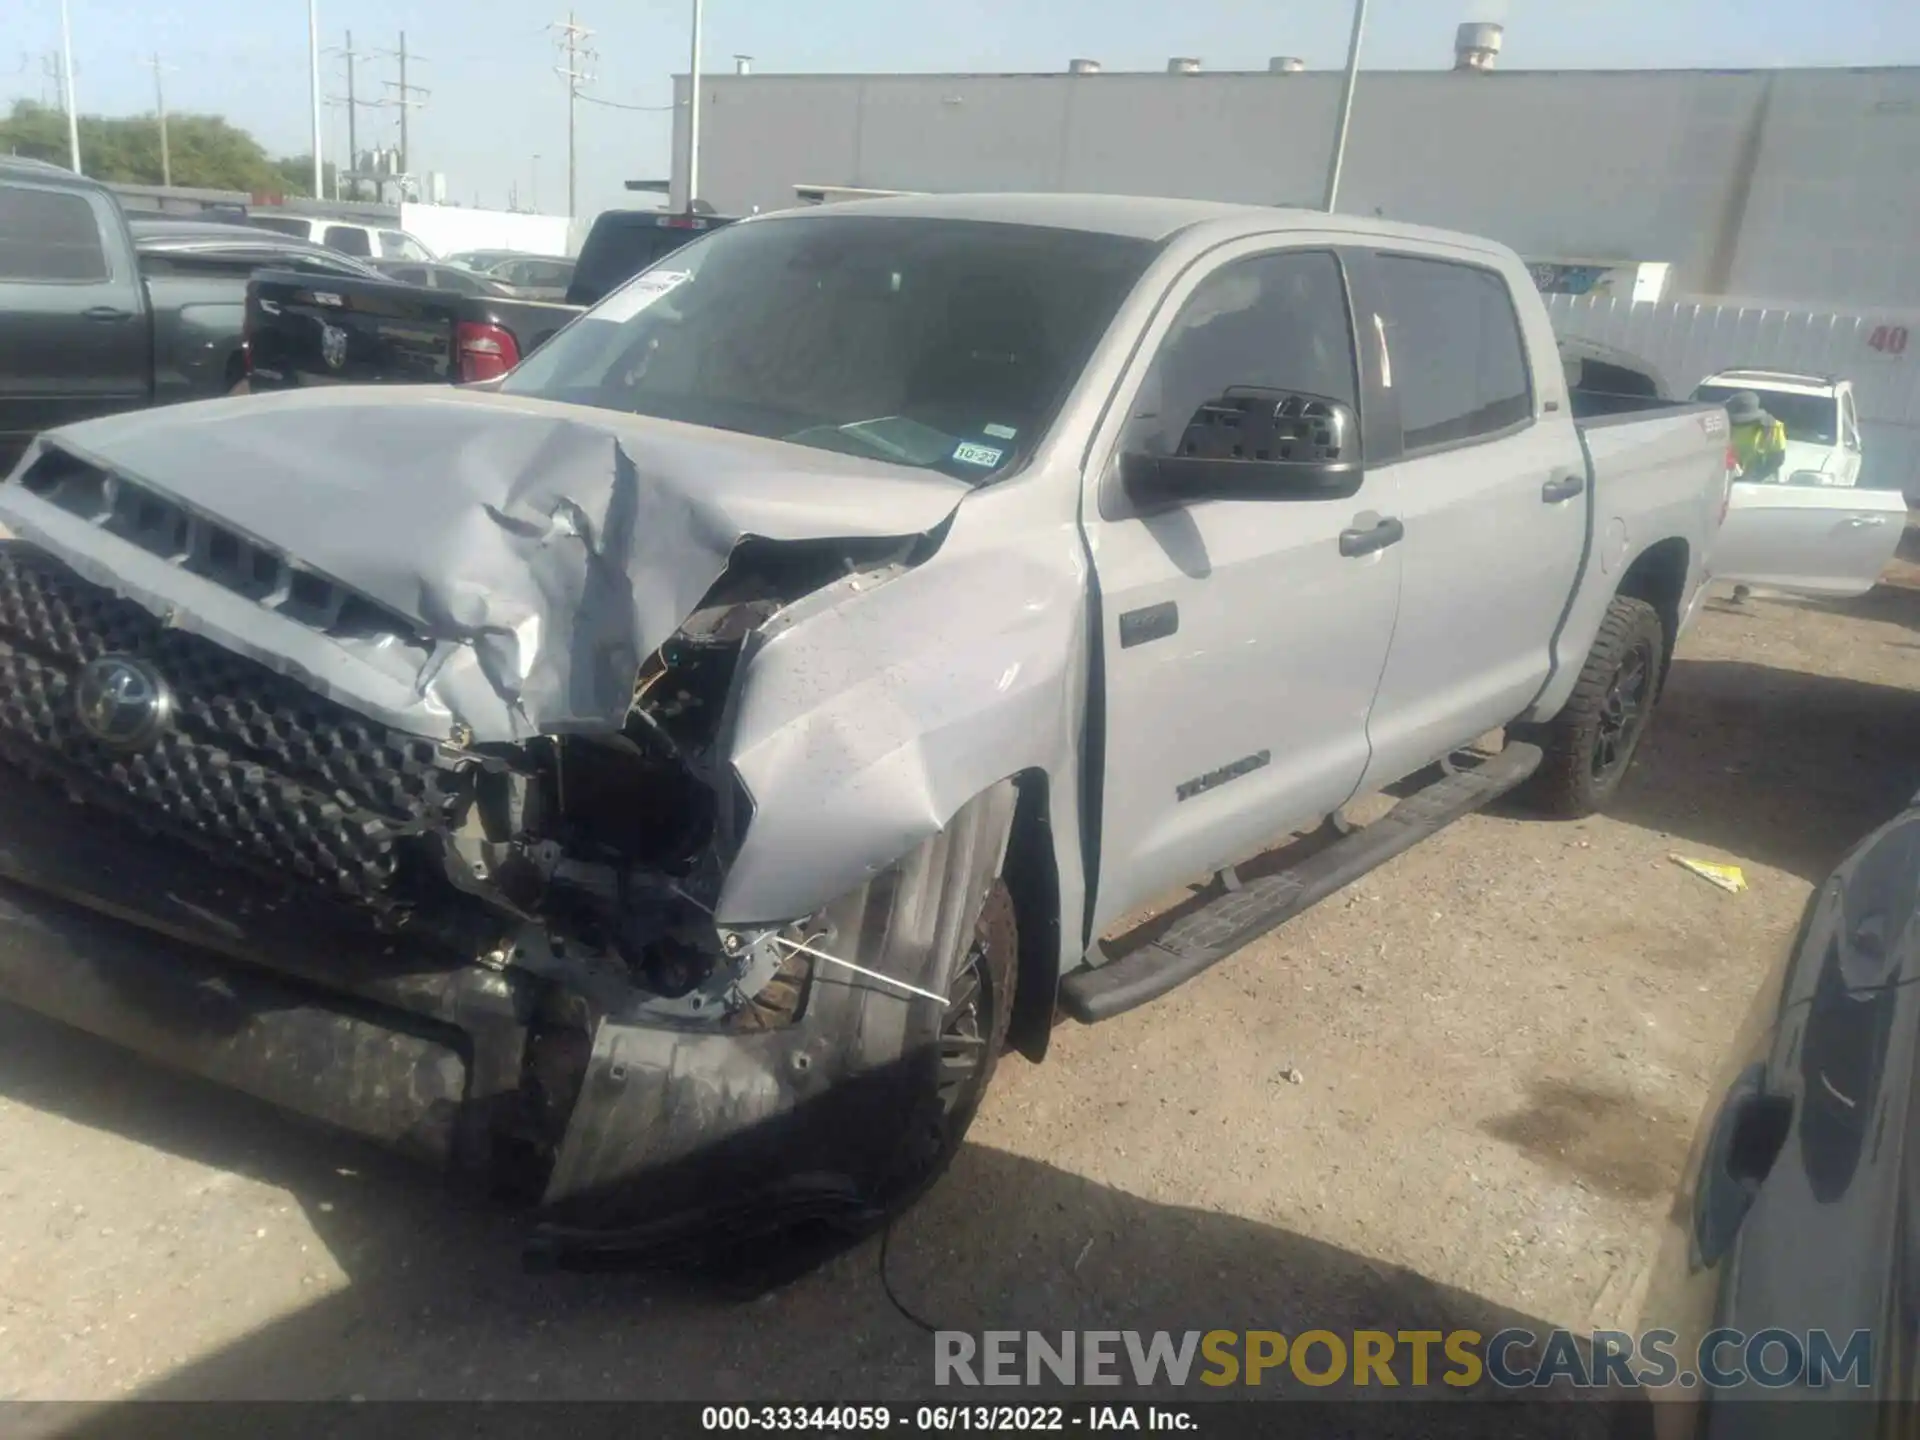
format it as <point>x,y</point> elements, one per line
<point>1458,364</point>
<point>348,240</point>
<point>50,237</point>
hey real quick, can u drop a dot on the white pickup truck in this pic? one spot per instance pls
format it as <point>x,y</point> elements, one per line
<point>1810,529</point>
<point>672,773</point>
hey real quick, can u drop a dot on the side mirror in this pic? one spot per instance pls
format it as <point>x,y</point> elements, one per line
<point>1254,444</point>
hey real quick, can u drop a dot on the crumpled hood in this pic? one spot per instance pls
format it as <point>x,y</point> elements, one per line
<point>550,547</point>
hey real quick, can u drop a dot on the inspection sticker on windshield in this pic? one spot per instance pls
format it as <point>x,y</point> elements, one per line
<point>968,453</point>
<point>639,293</point>
<point>1000,432</point>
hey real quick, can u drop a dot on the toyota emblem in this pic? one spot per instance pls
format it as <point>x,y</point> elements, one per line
<point>121,702</point>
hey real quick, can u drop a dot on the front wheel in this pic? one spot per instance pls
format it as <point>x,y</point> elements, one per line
<point>1591,743</point>
<point>972,1034</point>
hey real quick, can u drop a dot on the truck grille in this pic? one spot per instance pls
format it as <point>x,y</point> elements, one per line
<point>252,767</point>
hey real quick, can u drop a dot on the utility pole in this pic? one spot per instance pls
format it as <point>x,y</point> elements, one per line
<point>353,103</point>
<point>535,207</point>
<point>66,87</point>
<point>160,108</point>
<point>573,40</point>
<point>1339,156</point>
<point>403,94</point>
<point>313,61</point>
<point>693,112</point>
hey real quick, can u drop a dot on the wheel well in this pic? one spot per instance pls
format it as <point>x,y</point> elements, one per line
<point>1033,884</point>
<point>1658,576</point>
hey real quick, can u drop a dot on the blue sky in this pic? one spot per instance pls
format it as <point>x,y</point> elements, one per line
<point>496,102</point>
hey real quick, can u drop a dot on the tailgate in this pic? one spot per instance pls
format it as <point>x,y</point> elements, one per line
<point>340,330</point>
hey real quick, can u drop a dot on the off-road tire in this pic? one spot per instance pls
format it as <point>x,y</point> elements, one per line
<point>1571,781</point>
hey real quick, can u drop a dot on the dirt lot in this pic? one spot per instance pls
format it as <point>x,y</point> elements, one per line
<point>1500,1041</point>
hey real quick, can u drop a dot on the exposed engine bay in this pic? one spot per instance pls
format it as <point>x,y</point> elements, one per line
<point>606,853</point>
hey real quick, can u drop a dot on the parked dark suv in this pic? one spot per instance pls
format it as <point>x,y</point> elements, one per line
<point>622,243</point>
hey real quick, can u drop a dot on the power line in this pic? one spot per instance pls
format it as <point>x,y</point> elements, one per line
<point>616,105</point>
<point>573,39</point>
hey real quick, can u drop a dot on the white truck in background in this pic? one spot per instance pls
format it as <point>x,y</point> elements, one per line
<point>1823,426</point>
<point>1811,529</point>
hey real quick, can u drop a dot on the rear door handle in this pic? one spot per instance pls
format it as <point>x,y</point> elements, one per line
<point>1364,542</point>
<point>1862,522</point>
<point>1562,487</point>
<point>106,314</point>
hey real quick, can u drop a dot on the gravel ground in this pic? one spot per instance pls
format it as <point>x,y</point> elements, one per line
<point>1457,1094</point>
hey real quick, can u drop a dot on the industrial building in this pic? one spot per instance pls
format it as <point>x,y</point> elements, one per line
<point>1771,187</point>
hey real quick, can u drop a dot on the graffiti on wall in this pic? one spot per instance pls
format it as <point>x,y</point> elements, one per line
<point>1556,279</point>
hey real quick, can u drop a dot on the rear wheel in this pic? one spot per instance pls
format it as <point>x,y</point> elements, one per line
<point>1591,743</point>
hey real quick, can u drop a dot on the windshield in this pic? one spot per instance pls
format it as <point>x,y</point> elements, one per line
<point>937,343</point>
<point>1813,419</point>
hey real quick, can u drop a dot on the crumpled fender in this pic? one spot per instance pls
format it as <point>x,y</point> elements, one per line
<point>870,712</point>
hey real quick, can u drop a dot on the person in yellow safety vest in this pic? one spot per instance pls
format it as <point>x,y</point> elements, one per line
<point>1759,440</point>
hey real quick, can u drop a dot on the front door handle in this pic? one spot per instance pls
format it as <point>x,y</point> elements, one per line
<point>1364,542</point>
<point>1562,487</point>
<point>106,314</point>
<point>1863,522</point>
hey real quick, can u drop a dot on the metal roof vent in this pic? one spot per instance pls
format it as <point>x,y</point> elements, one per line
<point>1476,45</point>
<point>1286,65</point>
<point>1083,67</point>
<point>1183,65</point>
<point>743,64</point>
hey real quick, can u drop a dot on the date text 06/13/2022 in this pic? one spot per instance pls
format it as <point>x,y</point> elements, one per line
<point>936,1419</point>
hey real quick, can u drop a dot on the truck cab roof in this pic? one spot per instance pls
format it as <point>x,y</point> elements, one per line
<point>1783,382</point>
<point>1142,217</point>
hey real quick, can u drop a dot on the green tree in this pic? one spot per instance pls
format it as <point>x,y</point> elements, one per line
<point>205,150</point>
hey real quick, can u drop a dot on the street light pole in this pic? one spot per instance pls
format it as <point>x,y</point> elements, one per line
<point>1346,105</point>
<point>313,55</point>
<point>66,85</point>
<point>693,111</point>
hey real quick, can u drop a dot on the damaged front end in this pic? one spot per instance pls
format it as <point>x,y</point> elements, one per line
<point>463,900</point>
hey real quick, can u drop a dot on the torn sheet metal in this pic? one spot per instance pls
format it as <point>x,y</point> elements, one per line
<point>553,546</point>
<point>867,718</point>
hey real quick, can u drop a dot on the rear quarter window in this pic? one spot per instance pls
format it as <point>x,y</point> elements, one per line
<point>348,240</point>
<point>50,237</point>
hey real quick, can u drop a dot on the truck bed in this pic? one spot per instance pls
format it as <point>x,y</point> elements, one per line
<point>1654,467</point>
<point>305,331</point>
